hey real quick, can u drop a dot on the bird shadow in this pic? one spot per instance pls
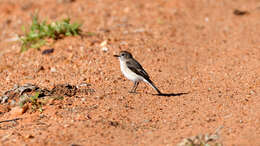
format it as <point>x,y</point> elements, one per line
<point>171,94</point>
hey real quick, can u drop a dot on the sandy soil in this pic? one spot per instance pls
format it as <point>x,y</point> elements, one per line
<point>201,48</point>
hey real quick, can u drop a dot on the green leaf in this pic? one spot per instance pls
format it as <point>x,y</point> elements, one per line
<point>23,29</point>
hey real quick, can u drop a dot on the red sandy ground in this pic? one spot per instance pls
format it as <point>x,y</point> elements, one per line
<point>195,47</point>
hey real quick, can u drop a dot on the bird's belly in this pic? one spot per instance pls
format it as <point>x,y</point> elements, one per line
<point>129,74</point>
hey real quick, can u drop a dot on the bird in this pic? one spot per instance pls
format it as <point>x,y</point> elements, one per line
<point>133,71</point>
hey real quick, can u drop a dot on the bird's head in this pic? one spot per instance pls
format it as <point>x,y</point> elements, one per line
<point>123,55</point>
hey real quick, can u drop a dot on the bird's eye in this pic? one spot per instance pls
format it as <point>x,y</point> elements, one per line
<point>123,54</point>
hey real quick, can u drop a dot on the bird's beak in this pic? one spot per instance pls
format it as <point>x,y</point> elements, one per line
<point>116,56</point>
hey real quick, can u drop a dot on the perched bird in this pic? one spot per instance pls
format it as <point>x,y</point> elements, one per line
<point>133,71</point>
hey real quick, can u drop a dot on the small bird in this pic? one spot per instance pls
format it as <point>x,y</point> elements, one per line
<point>133,71</point>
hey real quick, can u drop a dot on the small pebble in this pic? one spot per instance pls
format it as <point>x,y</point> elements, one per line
<point>4,99</point>
<point>13,102</point>
<point>103,44</point>
<point>53,69</point>
<point>206,19</point>
<point>19,110</point>
<point>48,51</point>
<point>104,49</point>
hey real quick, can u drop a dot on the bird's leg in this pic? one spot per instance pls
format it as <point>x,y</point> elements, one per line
<point>133,90</point>
<point>136,84</point>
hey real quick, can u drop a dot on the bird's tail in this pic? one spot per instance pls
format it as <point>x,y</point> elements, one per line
<point>153,86</point>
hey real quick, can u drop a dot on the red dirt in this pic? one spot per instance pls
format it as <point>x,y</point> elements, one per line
<point>201,48</point>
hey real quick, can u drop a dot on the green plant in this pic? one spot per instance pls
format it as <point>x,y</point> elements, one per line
<point>39,31</point>
<point>36,103</point>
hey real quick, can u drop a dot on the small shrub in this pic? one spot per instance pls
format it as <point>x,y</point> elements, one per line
<point>36,104</point>
<point>39,31</point>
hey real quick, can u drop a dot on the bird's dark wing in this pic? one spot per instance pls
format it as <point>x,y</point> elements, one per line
<point>137,68</point>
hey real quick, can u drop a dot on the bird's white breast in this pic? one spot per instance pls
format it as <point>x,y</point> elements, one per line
<point>128,73</point>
